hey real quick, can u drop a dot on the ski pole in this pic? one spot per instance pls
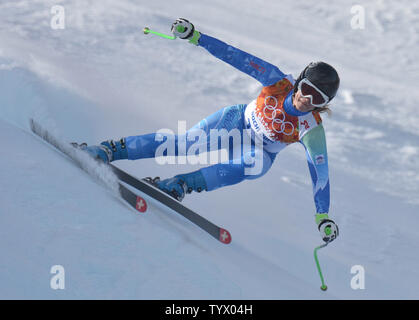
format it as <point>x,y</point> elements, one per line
<point>323,287</point>
<point>147,30</point>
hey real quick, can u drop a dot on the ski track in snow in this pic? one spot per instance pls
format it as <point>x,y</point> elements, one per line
<point>102,78</point>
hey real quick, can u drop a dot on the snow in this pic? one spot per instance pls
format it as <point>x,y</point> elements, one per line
<point>102,78</point>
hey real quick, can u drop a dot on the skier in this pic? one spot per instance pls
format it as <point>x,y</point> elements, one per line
<point>286,111</point>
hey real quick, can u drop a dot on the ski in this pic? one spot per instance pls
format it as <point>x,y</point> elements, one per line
<point>134,200</point>
<point>217,232</point>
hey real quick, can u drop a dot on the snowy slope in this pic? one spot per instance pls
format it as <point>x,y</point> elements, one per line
<point>101,78</point>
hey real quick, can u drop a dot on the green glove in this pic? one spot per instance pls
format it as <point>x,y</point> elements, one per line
<point>327,227</point>
<point>183,29</point>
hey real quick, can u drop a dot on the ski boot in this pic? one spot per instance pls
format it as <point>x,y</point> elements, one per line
<point>107,151</point>
<point>180,185</point>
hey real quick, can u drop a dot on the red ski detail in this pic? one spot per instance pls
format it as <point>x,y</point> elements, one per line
<point>141,205</point>
<point>225,236</point>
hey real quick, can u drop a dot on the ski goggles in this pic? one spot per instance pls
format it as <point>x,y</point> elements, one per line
<point>308,90</point>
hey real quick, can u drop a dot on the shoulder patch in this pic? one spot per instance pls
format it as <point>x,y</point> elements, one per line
<point>320,159</point>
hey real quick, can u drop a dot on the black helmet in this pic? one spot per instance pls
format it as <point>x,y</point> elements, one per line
<point>323,76</point>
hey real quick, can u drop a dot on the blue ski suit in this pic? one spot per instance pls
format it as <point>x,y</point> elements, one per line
<point>271,121</point>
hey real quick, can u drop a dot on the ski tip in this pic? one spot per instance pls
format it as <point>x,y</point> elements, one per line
<point>225,236</point>
<point>141,205</point>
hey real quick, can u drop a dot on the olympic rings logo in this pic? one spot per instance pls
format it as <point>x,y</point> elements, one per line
<point>279,125</point>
